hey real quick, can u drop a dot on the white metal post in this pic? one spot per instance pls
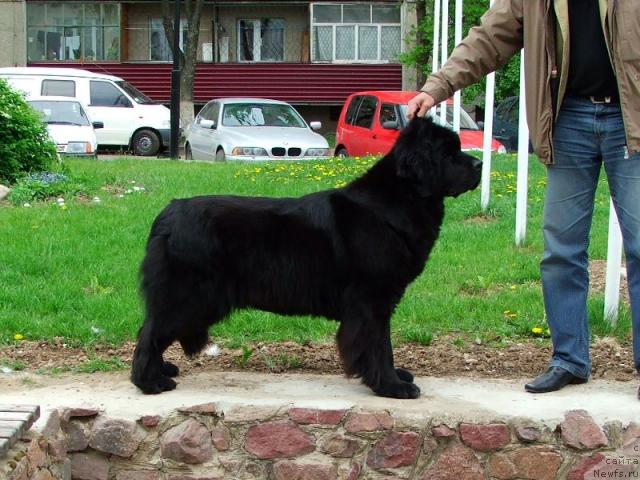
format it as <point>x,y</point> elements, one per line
<point>485,188</point>
<point>489,98</point>
<point>457,39</point>
<point>436,36</point>
<point>444,33</point>
<point>523,163</point>
<point>614,260</point>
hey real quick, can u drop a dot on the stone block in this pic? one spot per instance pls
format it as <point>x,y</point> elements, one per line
<point>89,466</point>
<point>284,470</point>
<point>398,449</point>
<point>115,437</point>
<point>456,462</point>
<point>485,437</point>
<point>189,442</point>
<point>279,439</point>
<point>311,416</point>
<point>579,431</point>
<point>368,422</point>
<point>538,463</point>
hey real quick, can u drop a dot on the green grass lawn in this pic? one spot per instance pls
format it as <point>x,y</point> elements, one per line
<point>72,271</point>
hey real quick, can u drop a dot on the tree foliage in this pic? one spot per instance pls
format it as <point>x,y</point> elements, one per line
<point>25,145</point>
<point>507,78</point>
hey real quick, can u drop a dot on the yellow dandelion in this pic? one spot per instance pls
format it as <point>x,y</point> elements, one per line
<point>536,330</point>
<point>18,336</point>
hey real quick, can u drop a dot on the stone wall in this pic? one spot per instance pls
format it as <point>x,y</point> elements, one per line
<point>205,443</point>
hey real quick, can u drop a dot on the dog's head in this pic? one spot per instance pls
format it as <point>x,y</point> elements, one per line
<point>429,156</point>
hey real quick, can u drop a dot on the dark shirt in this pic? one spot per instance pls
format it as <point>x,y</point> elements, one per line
<point>590,70</point>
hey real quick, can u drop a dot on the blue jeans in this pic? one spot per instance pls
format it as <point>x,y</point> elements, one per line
<point>586,136</point>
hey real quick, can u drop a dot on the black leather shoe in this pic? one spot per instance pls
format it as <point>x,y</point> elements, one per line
<point>553,379</point>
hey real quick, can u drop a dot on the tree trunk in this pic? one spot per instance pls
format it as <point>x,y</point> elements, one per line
<point>188,56</point>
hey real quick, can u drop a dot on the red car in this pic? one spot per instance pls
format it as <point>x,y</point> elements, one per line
<point>370,123</point>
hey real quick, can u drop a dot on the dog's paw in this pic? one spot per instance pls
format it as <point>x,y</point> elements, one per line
<point>169,369</point>
<point>157,385</point>
<point>399,390</point>
<point>404,375</point>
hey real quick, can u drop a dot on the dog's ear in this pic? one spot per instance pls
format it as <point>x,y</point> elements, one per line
<point>412,153</point>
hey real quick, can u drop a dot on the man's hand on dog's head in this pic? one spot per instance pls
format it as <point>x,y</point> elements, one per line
<point>419,105</point>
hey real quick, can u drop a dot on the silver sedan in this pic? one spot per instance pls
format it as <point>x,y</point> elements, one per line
<point>252,129</point>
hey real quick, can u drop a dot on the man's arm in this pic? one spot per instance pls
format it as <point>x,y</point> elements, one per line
<point>486,48</point>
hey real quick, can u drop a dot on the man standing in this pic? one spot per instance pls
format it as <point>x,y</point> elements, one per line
<point>582,71</point>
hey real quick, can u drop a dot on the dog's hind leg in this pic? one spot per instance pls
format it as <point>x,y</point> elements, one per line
<point>365,348</point>
<point>149,372</point>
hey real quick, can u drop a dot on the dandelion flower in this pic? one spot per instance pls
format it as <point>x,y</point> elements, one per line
<point>536,330</point>
<point>18,336</point>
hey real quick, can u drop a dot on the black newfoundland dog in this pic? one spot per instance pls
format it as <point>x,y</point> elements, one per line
<point>346,254</point>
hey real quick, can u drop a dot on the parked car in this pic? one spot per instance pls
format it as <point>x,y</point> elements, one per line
<point>253,129</point>
<point>68,124</point>
<point>370,123</point>
<point>130,118</point>
<point>505,123</point>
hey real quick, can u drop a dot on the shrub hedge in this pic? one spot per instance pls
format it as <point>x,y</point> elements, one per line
<point>25,146</point>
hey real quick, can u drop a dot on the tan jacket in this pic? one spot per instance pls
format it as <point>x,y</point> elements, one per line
<point>510,24</point>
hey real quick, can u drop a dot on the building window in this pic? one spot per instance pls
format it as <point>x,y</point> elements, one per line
<point>367,33</point>
<point>159,48</point>
<point>73,31</point>
<point>261,40</point>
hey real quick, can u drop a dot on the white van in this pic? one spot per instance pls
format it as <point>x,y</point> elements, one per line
<point>130,118</point>
<point>69,125</point>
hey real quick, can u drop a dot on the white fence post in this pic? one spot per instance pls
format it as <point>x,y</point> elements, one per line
<point>485,189</point>
<point>489,100</point>
<point>436,36</point>
<point>457,39</point>
<point>523,163</point>
<point>614,260</point>
<point>444,33</point>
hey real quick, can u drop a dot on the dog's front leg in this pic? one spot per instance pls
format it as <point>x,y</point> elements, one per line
<point>364,344</point>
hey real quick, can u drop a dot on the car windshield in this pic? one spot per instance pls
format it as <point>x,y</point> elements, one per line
<point>466,122</point>
<point>134,93</point>
<point>261,115</point>
<point>60,112</point>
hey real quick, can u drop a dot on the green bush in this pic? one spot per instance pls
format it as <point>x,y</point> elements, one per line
<point>25,145</point>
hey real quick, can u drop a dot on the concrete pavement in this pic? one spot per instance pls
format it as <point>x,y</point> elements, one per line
<point>445,399</point>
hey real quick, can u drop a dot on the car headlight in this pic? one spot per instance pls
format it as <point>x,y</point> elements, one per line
<point>317,152</point>
<point>249,151</point>
<point>79,147</point>
<point>502,149</point>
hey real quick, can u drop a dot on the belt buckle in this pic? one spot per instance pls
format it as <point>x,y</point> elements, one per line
<point>606,99</point>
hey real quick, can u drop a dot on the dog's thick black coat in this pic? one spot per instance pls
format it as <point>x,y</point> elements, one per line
<point>347,254</point>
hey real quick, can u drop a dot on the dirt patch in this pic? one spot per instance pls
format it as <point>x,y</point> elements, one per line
<point>446,356</point>
<point>597,279</point>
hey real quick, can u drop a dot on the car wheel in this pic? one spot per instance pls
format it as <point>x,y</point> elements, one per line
<point>146,143</point>
<point>341,152</point>
<point>220,156</point>
<point>188,155</point>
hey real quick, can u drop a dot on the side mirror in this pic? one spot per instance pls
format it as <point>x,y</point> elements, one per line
<point>315,126</point>
<point>390,125</point>
<point>204,123</point>
<point>97,125</point>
